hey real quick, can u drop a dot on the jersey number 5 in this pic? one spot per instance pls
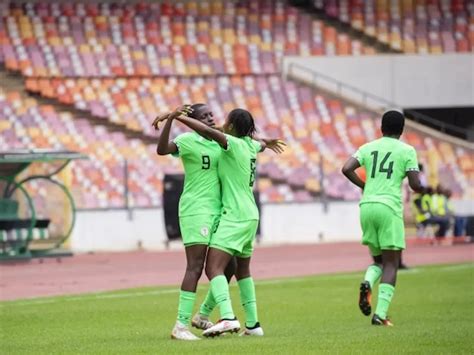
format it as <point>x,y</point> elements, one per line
<point>206,162</point>
<point>253,167</point>
<point>383,168</point>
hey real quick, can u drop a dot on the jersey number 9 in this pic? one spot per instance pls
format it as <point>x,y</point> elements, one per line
<point>206,162</point>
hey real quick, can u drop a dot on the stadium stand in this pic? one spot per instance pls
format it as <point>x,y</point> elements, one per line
<point>315,124</point>
<point>411,26</point>
<point>122,64</point>
<point>191,38</point>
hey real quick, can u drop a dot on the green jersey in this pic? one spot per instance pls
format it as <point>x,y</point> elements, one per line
<point>201,194</point>
<point>237,168</point>
<point>386,161</point>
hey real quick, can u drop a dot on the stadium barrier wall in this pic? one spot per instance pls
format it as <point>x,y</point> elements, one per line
<point>282,223</point>
<point>287,223</point>
<point>444,80</point>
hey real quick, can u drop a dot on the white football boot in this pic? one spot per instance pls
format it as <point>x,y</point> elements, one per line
<point>221,327</point>
<point>201,322</point>
<point>255,331</point>
<point>182,332</point>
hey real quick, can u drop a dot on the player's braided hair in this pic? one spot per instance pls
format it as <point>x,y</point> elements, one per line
<point>243,122</point>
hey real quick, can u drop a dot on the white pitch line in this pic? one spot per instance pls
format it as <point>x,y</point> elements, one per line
<point>457,267</point>
<point>89,297</point>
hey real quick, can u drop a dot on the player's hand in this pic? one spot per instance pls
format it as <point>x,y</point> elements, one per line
<point>184,110</point>
<point>277,145</point>
<point>158,119</point>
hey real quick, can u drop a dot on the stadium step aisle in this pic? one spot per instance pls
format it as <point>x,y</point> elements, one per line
<point>437,26</point>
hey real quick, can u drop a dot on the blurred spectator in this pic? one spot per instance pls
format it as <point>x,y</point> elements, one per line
<point>459,222</point>
<point>426,214</point>
<point>422,175</point>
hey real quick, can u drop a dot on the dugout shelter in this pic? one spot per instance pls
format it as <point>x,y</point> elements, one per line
<point>37,209</point>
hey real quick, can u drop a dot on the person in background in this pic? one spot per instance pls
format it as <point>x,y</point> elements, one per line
<point>426,214</point>
<point>422,175</point>
<point>459,222</point>
<point>439,209</point>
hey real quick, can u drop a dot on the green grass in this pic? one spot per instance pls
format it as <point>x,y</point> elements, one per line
<point>432,311</point>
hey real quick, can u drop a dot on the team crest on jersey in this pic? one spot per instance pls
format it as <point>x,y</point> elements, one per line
<point>204,231</point>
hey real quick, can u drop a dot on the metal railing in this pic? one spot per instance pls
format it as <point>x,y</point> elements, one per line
<point>337,87</point>
<point>317,79</point>
<point>442,126</point>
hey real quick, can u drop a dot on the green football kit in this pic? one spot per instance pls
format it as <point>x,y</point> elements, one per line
<point>239,217</point>
<point>200,203</point>
<point>386,161</point>
<point>238,223</point>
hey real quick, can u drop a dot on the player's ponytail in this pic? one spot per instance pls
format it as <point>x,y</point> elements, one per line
<point>243,122</point>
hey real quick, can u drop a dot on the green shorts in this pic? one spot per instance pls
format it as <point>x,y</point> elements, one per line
<point>382,229</point>
<point>197,229</point>
<point>235,238</point>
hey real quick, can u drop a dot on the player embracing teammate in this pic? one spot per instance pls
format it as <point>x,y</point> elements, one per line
<point>231,232</point>
<point>387,162</point>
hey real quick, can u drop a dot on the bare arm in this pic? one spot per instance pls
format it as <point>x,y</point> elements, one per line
<point>276,145</point>
<point>204,130</point>
<point>414,181</point>
<point>166,147</point>
<point>158,120</point>
<point>349,169</point>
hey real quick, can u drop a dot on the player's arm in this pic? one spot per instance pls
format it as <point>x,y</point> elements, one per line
<point>165,146</point>
<point>277,145</point>
<point>349,169</point>
<point>412,171</point>
<point>414,181</point>
<point>204,130</point>
<point>158,120</point>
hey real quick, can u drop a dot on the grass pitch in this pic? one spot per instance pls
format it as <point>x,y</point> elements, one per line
<point>433,312</point>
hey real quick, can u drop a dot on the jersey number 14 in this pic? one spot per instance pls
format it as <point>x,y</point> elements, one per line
<point>383,168</point>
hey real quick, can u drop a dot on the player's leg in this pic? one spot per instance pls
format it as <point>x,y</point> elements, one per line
<point>195,257</point>
<point>229,240</point>
<point>371,277</point>
<point>217,261</point>
<point>392,242</point>
<point>244,278</point>
<point>195,232</point>
<point>248,297</point>
<point>391,261</point>
<point>201,319</point>
<point>369,224</point>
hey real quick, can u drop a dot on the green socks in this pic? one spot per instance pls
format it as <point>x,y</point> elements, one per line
<point>372,275</point>
<point>185,307</point>
<point>220,291</point>
<point>385,297</point>
<point>208,305</point>
<point>249,301</point>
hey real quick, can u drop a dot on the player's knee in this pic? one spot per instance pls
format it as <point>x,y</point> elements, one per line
<point>380,265</point>
<point>378,260</point>
<point>195,269</point>
<point>242,273</point>
<point>211,271</point>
